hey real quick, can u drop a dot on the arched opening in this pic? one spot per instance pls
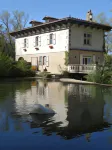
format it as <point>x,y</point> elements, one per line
<point>44,60</point>
<point>20,58</point>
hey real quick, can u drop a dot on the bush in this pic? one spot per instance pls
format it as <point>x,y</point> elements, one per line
<point>10,68</point>
<point>22,69</point>
<point>103,73</point>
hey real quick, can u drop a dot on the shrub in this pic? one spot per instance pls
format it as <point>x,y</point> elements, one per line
<point>10,68</point>
<point>103,73</point>
<point>22,69</point>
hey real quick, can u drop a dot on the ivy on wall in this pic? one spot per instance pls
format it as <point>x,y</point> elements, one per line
<point>66,58</point>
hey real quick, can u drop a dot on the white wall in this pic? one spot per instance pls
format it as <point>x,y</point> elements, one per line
<point>61,43</point>
<point>77,38</point>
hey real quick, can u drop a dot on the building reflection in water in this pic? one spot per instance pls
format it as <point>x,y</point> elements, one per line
<point>85,111</point>
<point>80,109</point>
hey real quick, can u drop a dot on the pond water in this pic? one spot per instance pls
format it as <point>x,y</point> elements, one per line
<point>83,116</point>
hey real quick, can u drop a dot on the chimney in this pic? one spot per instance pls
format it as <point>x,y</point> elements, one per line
<point>35,23</point>
<point>89,16</point>
<point>49,19</point>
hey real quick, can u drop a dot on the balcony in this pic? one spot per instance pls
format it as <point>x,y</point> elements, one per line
<point>77,68</point>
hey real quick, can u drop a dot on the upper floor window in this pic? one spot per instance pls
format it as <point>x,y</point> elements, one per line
<point>37,41</point>
<point>51,38</point>
<point>87,38</point>
<point>25,42</point>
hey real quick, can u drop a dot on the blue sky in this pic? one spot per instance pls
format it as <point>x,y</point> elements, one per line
<point>37,9</point>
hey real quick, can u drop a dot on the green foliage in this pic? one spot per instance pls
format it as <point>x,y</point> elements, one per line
<point>66,58</point>
<point>21,69</point>
<point>103,19</point>
<point>9,68</point>
<point>63,71</point>
<point>5,64</point>
<point>14,21</point>
<point>103,73</point>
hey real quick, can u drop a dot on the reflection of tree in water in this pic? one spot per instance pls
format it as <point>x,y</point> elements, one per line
<point>85,111</point>
<point>8,88</point>
<point>84,116</point>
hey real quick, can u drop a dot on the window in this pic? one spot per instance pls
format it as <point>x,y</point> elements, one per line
<point>87,60</point>
<point>37,41</point>
<point>40,61</point>
<point>51,39</point>
<point>44,60</point>
<point>25,43</point>
<point>87,38</point>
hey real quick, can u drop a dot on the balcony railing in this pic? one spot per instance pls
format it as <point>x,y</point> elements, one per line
<point>77,68</point>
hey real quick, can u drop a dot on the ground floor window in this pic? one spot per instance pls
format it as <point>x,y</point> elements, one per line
<point>40,60</point>
<point>43,60</point>
<point>87,60</point>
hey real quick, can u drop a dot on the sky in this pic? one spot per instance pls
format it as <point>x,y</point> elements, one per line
<point>37,9</point>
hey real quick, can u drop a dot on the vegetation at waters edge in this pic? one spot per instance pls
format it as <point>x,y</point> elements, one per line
<point>10,68</point>
<point>103,73</point>
<point>17,20</point>
<point>45,75</point>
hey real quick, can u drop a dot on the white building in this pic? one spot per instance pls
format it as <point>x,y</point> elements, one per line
<point>45,43</point>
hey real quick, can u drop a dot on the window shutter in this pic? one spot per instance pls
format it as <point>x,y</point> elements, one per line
<point>27,44</point>
<point>39,40</point>
<point>54,38</point>
<point>94,59</point>
<point>22,44</point>
<point>81,59</point>
<point>47,61</point>
<point>34,41</point>
<point>40,60</point>
<point>48,40</point>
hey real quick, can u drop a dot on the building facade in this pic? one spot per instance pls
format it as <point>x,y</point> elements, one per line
<point>45,44</point>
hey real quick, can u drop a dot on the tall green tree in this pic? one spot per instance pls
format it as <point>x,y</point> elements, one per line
<point>103,19</point>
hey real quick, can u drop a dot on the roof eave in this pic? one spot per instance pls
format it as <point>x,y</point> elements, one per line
<point>68,19</point>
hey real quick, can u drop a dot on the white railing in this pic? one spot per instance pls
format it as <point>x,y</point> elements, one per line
<point>77,68</point>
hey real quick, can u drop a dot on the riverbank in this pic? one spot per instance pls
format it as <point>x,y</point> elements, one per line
<point>68,80</point>
<point>64,80</point>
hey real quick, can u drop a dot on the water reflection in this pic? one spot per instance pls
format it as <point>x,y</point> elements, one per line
<point>80,109</point>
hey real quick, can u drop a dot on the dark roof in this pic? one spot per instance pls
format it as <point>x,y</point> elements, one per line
<point>34,21</point>
<point>68,20</point>
<point>48,17</point>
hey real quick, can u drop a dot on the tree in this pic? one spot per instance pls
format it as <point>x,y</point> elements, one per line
<point>19,20</point>
<point>103,19</point>
<point>11,22</point>
<point>103,73</point>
